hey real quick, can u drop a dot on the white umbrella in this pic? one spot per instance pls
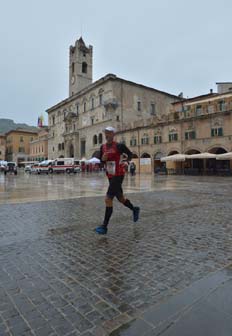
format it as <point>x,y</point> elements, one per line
<point>94,160</point>
<point>202,156</point>
<point>224,156</point>
<point>175,157</point>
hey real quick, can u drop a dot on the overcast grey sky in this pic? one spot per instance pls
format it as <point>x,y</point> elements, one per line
<point>171,45</point>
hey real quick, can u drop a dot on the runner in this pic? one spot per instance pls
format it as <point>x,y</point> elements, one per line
<point>111,154</point>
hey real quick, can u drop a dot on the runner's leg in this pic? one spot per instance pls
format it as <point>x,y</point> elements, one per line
<point>126,202</point>
<point>108,210</point>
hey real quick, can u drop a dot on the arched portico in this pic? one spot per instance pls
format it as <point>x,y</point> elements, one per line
<point>145,163</point>
<point>213,166</point>
<point>159,166</point>
<point>193,166</point>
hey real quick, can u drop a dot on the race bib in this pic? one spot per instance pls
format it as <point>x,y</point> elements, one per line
<point>110,167</point>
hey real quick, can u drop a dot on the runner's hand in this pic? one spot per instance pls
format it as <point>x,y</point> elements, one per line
<point>104,157</point>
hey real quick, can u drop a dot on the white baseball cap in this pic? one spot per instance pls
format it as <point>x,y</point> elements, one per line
<point>109,129</point>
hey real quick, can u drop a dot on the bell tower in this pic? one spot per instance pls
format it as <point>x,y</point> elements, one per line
<point>80,66</point>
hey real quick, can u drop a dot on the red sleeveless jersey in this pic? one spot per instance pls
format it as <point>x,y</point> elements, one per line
<point>114,166</point>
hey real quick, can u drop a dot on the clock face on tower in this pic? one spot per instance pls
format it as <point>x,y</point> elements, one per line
<point>73,79</point>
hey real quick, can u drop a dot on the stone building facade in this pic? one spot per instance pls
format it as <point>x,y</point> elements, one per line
<point>76,123</point>
<point>39,146</point>
<point>2,147</point>
<point>18,145</point>
<point>197,125</point>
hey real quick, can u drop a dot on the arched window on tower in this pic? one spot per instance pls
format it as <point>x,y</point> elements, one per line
<point>84,67</point>
<point>95,139</point>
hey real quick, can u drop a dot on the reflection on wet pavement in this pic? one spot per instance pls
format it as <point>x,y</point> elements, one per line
<point>32,188</point>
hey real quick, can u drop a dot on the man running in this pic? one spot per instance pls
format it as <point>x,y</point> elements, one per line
<point>111,154</point>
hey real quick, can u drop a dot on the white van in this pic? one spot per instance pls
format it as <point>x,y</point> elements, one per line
<point>43,166</point>
<point>62,165</point>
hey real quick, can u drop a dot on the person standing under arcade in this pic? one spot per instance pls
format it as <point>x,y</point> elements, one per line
<point>111,154</point>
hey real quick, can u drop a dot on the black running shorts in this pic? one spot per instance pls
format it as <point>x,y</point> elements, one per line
<point>115,187</point>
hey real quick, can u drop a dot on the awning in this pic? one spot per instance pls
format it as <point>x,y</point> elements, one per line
<point>224,156</point>
<point>175,157</point>
<point>202,156</point>
<point>94,160</point>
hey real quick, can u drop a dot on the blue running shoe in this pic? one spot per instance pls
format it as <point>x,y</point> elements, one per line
<point>101,230</point>
<point>136,211</point>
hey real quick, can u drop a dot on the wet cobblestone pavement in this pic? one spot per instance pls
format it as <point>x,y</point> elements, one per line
<point>58,278</point>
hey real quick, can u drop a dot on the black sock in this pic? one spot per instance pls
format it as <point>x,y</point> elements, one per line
<point>108,213</point>
<point>128,204</point>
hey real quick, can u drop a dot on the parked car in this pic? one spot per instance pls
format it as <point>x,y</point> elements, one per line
<point>11,167</point>
<point>27,168</point>
<point>3,165</point>
<point>34,168</point>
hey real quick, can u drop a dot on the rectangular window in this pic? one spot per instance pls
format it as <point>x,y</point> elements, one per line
<point>217,131</point>
<point>84,107</point>
<point>157,139</point>
<point>139,106</point>
<point>152,109</point>
<point>100,99</point>
<point>133,142</point>
<point>145,141</point>
<point>21,150</point>
<point>21,139</point>
<point>173,137</point>
<point>189,135</point>
<point>92,103</point>
<point>221,105</point>
<point>199,110</point>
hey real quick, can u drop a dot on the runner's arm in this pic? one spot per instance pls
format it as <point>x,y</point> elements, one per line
<point>99,156</point>
<point>123,149</point>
